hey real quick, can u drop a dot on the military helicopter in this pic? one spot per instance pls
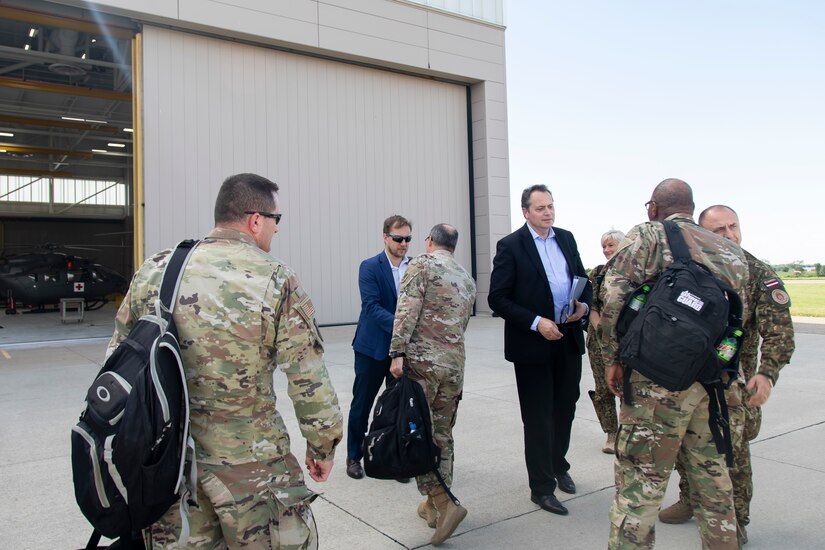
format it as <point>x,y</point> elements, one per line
<point>38,279</point>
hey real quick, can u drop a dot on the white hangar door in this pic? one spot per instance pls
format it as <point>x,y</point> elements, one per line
<point>347,145</point>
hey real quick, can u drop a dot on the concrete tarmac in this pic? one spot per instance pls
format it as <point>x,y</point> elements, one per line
<point>43,384</point>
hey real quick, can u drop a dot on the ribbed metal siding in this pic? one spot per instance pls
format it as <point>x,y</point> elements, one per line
<point>348,146</point>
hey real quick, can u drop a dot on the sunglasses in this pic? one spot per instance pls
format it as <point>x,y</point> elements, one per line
<point>276,217</point>
<point>400,238</point>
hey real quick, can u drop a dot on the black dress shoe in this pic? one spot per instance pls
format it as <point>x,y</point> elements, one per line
<point>565,483</point>
<point>354,469</point>
<point>402,479</point>
<point>549,503</point>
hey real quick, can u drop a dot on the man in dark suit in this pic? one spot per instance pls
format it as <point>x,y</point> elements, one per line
<point>530,289</point>
<point>378,281</point>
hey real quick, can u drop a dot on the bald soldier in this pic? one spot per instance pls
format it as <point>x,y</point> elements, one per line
<point>239,314</point>
<point>660,424</point>
<point>768,317</point>
<point>434,307</point>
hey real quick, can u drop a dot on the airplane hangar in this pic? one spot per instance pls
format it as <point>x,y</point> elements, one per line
<point>117,127</point>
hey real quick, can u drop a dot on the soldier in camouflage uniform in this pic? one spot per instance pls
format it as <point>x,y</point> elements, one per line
<point>603,401</point>
<point>434,307</point>
<point>239,314</point>
<point>769,317</point>
<point>661,424</point>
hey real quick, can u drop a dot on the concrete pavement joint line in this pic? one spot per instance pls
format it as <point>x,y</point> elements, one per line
<point>347,512</point>
<point>788,432</point>
<point>578,496</point>
<point>56,343</point>
<point>791,464</point>
<point>97,362</point>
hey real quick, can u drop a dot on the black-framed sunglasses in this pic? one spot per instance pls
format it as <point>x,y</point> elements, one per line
<point>276,217</point>
<point>400,238</point>
<point>648,203</point>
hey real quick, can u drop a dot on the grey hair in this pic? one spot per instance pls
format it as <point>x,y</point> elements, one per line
<point>444,235</point>
<point>613,234</point>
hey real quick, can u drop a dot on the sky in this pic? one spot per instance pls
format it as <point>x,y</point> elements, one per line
<point>607,98</point>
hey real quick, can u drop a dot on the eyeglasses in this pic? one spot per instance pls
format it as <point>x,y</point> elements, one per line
<point>648,203</point>
<point>276,217</point>
<point>400,238</point>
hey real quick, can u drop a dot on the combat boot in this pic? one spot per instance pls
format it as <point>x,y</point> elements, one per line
<point>610,445</point>
<point>679,512</point>
<point>426,511</point>
<point>449,516</point>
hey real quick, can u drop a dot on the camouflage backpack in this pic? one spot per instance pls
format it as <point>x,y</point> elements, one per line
<point>132,443</point>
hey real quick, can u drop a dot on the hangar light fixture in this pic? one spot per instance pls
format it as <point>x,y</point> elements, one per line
<point>32,32</point>
<point>6,134</point>
<point>116,145</point>
<point>128,130</point>
<point>99,151</point>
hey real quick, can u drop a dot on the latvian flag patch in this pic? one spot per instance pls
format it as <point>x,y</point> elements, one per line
<point>773,283</point>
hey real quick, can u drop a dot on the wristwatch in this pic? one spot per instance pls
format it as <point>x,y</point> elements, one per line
<point>394,354</point>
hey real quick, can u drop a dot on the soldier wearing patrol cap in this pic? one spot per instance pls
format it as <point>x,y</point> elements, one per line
<point>769,316</point>
<point>239,314</point>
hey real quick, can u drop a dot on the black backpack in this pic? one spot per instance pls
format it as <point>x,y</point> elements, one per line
<point>129,449</point>
<point>672,338</point>
<point>400,442</point>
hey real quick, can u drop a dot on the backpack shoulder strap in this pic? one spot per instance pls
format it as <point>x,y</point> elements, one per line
<point>676,242</point>
<point>173,272</point>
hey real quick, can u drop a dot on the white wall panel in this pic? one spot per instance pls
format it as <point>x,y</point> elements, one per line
<point>348,145</point>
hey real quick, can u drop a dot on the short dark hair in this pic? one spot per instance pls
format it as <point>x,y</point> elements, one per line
<point>243,193</point>
<point>707,210</point>
<point>444,235</point>
<point>525,195</point>
<point>395,221</point>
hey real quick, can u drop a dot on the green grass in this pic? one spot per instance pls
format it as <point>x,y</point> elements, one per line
<point>807,299</point>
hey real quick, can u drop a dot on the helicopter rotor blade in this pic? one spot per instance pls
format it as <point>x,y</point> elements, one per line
<point>73,247</point>
<point>113,233</point>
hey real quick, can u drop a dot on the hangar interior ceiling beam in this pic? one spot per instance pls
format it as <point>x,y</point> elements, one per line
<point>65,93</point>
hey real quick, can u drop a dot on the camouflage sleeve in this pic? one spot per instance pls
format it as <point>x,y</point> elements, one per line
<point>124,319</point>
<point>135,303</point>
<point>774,324</point>
<point>410,302</point>
<point>301,357</point>
<point>626,270</point>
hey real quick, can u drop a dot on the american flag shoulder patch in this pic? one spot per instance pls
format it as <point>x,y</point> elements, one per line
<point>306,308</point>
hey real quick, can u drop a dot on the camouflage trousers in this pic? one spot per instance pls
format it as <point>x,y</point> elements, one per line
<point>443,386</point>
<point>658,427</point>
<point>258,505</point>
<point>741,475</point>
<point>603,401</point>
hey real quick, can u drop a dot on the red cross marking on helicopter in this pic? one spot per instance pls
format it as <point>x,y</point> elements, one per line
<point>79,287</point>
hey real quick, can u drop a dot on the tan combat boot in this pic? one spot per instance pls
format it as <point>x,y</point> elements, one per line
<point>449,516</point>
<point>426,511</point>
<point>610,445</point>
<point>679,512</point>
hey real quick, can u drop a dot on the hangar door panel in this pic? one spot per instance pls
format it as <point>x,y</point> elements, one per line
<point>347,145</point>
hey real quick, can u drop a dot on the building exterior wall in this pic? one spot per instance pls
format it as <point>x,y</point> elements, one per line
<point>391,34</point>
<point>349,145</point>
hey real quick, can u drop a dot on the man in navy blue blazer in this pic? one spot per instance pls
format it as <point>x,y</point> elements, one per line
<point>378,281</point>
